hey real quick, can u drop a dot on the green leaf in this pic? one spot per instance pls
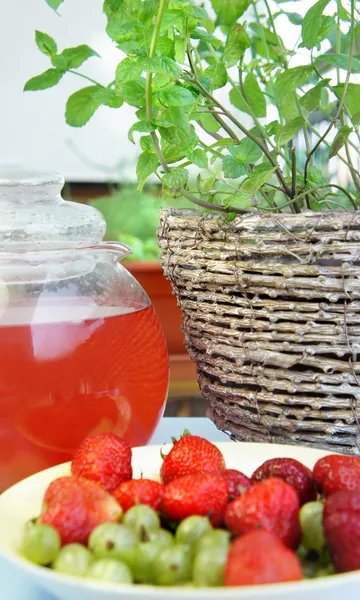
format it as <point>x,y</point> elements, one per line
<point>258,177</point>
<point>177,96</point>
<point>173,117</point>
<point>132,92</point>
<point>146,143</point>
<point>81,106</point>
<point>217,75</point>
<point>177,136</point>
<point>175,179</point>
<point>108,97</point>
<point>147,11</point>
<point>44,81</point>
<point>54,4</point>
<point>340,140</point>
<point>128,70</point>
<point>161,64</point>
<point>199,158</point>
<point>352,99</point>
<point>294,18</point>
<point>45,43</point>
<point>173,153</point>
<point>75,57</point>
<point>111,7</point>
<point>237,99</point>
<point>315,176</point>
<point>197,12</point>
<point>312,99</point>
<point>205,36</point>
<point>343,14</point>
<point>288,131</point>
<point>312,23</point>
<point>235,46</point>
<point>233,168</point>
<point>165,46</point>
<point>254,95</point>
<point>272,128</point>
<point>209,123</point>
<point>287,81</point>
<point>146,165</point>
<point>247,151</point>
<point>172,18</point>
<point>180,48</point>
<point>339,60</point>
<point>59,62</point>
<point>327,27</point>
<point>228,11</point>
<point>141,127</point>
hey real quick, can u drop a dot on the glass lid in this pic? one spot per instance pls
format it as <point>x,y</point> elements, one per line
<point>34,216</point>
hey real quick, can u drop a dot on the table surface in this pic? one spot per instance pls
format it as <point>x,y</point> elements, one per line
<point>14,587</point>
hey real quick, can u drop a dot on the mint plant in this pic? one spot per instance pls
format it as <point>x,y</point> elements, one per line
<point>178,55</point>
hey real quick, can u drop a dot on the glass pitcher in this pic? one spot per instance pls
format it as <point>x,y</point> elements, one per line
<point>81,349</point>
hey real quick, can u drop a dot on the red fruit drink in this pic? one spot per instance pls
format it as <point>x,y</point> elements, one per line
<point>73,370</point>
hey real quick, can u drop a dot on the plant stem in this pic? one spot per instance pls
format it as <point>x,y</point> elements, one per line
<point>85,77</point>
<point>246,132</point>
<point>293,172</point>
<point>343,96</point>
<point>213,134</point>
<point>148,89</point>
<point>326,143</point>
<point>343,190</point>
<point>352,169</point>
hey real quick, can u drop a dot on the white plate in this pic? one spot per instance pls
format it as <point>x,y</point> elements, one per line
<point>22,502</point>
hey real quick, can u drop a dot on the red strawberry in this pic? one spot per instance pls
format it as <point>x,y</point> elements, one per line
<point>199,494</point>
<point>336,472</point>
<point>342,529</point>
<point>293,472</point>
<point>237,483</point>
<point>75,506</point>
<point>260,557</point>
<point>104,458</point>
<point>142,491</point>
<point>191,454</point>
<point>59,488</point>
<point>271,504</point>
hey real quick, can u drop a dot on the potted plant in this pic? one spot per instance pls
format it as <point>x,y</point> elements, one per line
<point>266,270</point>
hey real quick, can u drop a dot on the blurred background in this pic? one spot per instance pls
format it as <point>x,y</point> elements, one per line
<point>97,161</point>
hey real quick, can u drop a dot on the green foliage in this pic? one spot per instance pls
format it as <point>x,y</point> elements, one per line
<point>176,58</point>
<point>45,43</point>
<point>44,81</point>
<point>340,140</point>
<point>54,4</point>
<point>312,23</point>
<point>132,217</point>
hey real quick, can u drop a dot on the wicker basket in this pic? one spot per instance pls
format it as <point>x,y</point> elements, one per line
<point>271,309</point>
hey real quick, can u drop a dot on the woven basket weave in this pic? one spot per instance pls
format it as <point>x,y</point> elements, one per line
<point>271,310</point>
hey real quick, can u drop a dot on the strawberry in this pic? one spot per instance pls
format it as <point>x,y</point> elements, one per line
<point>237,483</point>
<point>271,504</point>
<point>191,454</point>
<point>202,494</point>
<point>75,506</point>
<point>293,472</point>
<point>260,557</point>
<point>342,529</point>
<point>141,491</point>
<point>104,458</point>
<point>336,472</point>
